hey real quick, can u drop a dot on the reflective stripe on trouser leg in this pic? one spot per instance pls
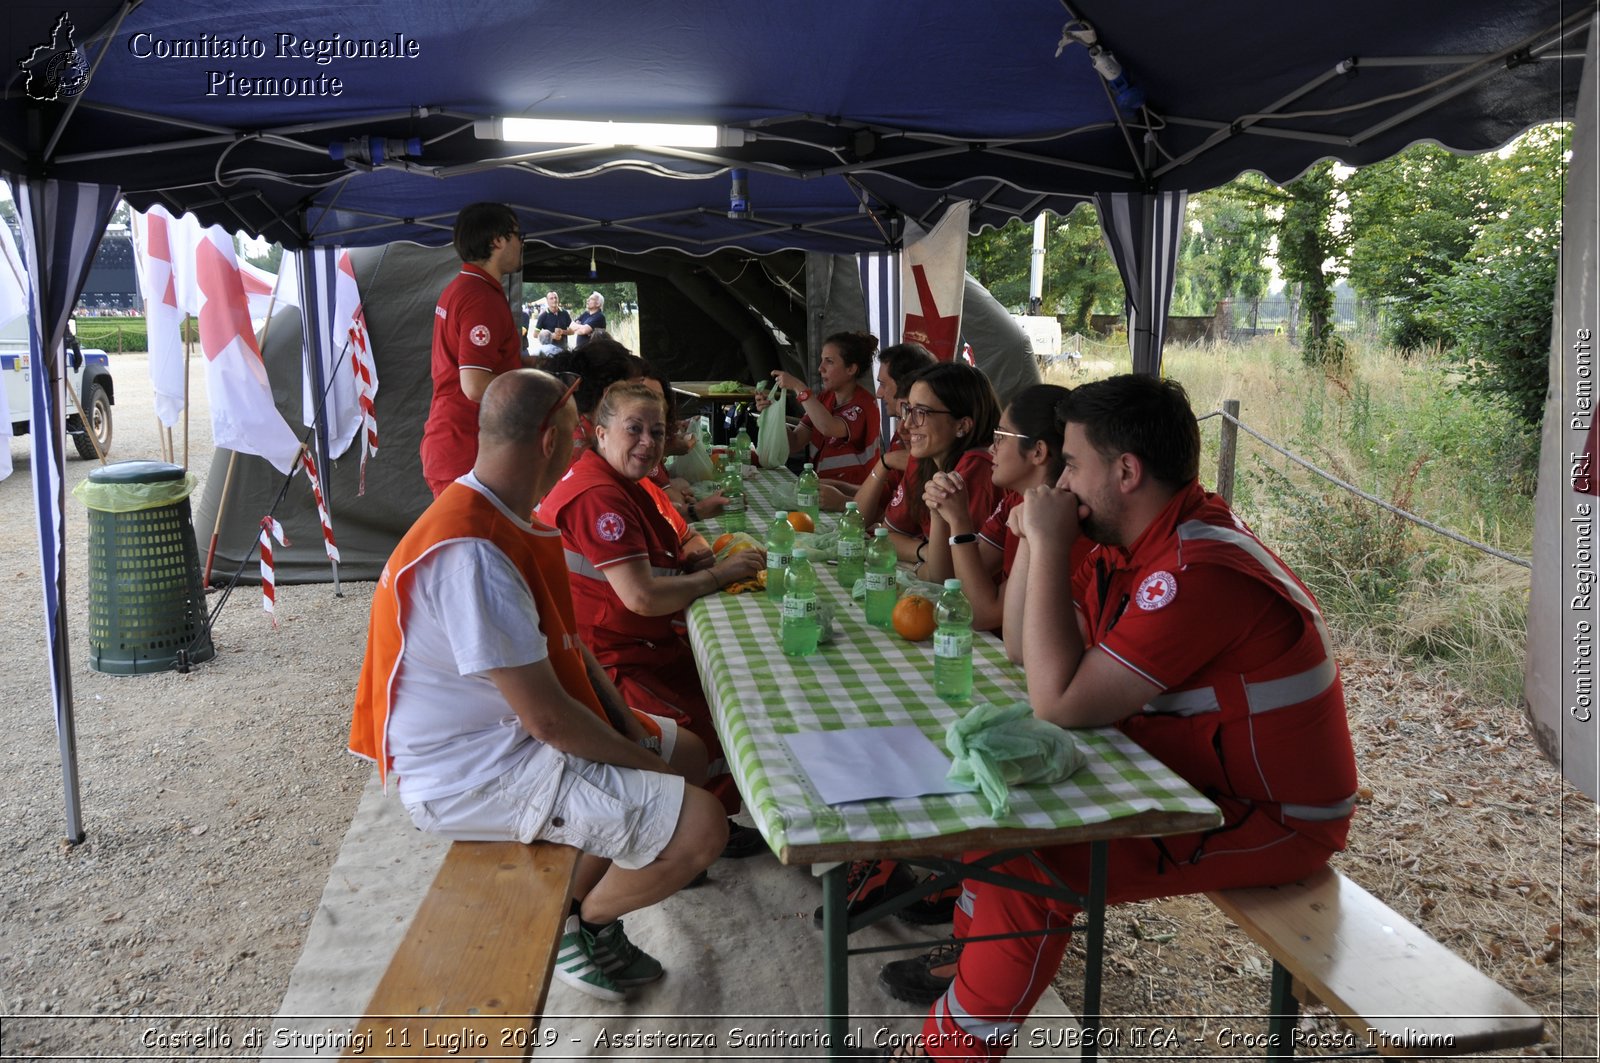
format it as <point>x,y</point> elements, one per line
<point>998,982</point>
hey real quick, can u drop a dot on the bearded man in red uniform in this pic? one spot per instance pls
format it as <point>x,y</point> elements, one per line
<point>1193,638</point>
<point>475,339</point>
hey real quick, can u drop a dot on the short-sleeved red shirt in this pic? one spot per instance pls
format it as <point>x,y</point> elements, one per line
<point>472,328</point>
<point>604,520</point>
<point>996,534</point>
<point>850,457</point>
<point>977,471</point>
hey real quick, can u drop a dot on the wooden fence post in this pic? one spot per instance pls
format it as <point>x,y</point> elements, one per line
<point>1229,448</point>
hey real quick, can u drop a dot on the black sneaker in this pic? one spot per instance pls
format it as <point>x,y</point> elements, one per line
<point>868,882</point>
<point>921,979</point>
<point>742,842</point>
<point>933,909</point>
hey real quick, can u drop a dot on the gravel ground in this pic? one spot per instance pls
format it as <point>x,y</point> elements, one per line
<point>214,802</point>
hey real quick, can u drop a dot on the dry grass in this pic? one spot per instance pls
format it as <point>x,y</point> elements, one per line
<point>1464,828</point>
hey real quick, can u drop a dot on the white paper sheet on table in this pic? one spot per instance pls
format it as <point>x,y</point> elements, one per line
<point>864,763</point>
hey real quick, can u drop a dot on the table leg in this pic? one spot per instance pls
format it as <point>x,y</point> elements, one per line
<point>835,960</point>
<point>1094,946</point>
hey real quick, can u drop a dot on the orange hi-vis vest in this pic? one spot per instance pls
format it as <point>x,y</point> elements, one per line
<point>461,512</point>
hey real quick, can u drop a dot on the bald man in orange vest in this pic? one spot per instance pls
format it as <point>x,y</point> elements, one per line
<point>500,724</point>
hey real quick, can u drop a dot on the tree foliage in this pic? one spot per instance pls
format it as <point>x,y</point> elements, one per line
<point>1224,250</point>
<point>1412,218</point>
<point>1308,251</point>
<point>1080,277</point>
<point>1495,303</point>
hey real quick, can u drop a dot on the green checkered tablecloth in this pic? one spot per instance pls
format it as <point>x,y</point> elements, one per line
<point>867,677</point>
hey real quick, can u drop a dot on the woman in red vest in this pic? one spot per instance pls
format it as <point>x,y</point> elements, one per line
<point>634,572</point>
<point>841,419</point>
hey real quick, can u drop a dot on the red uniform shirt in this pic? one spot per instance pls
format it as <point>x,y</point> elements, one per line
<point>605,520</point>
<point>977,471</point>
<point>472,328</point>
<point>996,534</point>
<point>850,457</point>
<point>1251,707</point>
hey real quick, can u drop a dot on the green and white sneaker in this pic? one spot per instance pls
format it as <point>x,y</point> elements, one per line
<point>579,967</point>
<point>624,963</point>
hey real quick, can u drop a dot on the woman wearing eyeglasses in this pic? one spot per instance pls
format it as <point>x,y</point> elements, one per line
<point>898,366</point>
<point>950,416</point>
<point>633,572</point>
<point>1027,452</point>
<point>841,420</point>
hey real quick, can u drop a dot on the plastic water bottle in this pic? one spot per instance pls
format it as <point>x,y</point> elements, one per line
<point>799,628</point>
<point>808,495</point>
<point>881,590</point>
<point>742,447</point>
<point>952,645</point>
<point>733,514</point>
<point>780,548</point>
<point>852,547</point>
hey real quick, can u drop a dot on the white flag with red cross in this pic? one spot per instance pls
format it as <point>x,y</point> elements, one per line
<point>208,284</point>
<point>153,246</point>
<point>933,274</point>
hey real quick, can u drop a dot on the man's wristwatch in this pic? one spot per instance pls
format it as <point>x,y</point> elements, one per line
<point>964,537</point>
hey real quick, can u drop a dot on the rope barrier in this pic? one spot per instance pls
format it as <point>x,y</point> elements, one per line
<point>1374,499</point>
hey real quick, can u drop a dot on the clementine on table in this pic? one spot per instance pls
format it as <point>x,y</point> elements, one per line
<point>913,618</point>
<point>800,521</point>
<point>722,540</point>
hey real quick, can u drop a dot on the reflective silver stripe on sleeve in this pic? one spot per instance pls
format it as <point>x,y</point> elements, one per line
<point>981,1029</point>
<point>1185,702</point>
<point>579,565</point>
<point>1291,689</point>
<point>846,461</point>
<point>1338,810</point>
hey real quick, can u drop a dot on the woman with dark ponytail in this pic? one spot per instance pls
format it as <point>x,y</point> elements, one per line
<point>841,420</point>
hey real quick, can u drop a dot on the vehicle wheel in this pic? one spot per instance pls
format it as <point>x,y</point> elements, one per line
<point>98,410</point>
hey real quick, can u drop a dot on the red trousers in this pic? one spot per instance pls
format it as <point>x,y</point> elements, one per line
<point>663,681</point>
<point>998,982</point>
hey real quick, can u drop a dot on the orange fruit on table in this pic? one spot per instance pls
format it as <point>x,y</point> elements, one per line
<point>913,618</point>
<point>800,521</point>
<point>722,540</point>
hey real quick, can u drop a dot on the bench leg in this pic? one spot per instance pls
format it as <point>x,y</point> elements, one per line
<point>1284,1015</point>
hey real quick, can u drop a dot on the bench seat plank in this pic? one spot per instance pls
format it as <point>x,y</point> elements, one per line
<point>483,943</point>
<point>1378,971</point>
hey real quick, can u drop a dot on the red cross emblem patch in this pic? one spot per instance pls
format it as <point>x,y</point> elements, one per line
<point>479,335</point>
<point>1157,590</point>
<point>610,527</point>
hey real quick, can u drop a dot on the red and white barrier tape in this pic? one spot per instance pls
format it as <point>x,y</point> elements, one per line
<point>328,544</point>
<point>270,530</point>
<point>359,355</point>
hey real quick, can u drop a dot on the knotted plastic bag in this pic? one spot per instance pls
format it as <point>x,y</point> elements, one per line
<point>994,748</point>
<point>695,464</point>
<point>772,431</point>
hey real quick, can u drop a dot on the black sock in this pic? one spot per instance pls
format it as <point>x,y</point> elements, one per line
<point>592,928</point>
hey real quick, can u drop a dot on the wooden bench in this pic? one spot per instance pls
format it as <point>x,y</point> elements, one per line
<point>1400,992</point>
<point>482,946</point>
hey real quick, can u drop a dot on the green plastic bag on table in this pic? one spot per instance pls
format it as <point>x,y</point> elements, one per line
<point>694,464</point>
<point>772,431</point>
<point>994,748</point>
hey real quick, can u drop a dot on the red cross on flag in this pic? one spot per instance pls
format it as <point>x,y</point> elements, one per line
<point>933,274</point>
<point>152,242</point>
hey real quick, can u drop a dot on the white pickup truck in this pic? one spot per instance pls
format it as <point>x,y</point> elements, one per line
<point>89,378</point>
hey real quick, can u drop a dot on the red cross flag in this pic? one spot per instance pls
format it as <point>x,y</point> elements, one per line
<point>207,283</point>
<point>152,239</point>
<point>933,274</point>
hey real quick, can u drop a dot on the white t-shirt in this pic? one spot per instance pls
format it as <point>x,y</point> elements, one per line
<point>468,611</point>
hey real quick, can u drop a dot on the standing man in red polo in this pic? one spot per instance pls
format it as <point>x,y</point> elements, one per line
<point>475,339</point>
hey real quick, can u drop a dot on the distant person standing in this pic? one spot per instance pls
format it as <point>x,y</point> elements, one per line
<point>475,339</point>
<point>557,320</point>
<point>592,320</point>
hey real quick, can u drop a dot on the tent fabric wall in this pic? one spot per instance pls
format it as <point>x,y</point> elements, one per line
<point>1143,233</point>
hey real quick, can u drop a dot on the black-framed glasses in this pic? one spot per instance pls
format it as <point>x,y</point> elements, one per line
<point>915,415</point>
<point>571,380</point>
